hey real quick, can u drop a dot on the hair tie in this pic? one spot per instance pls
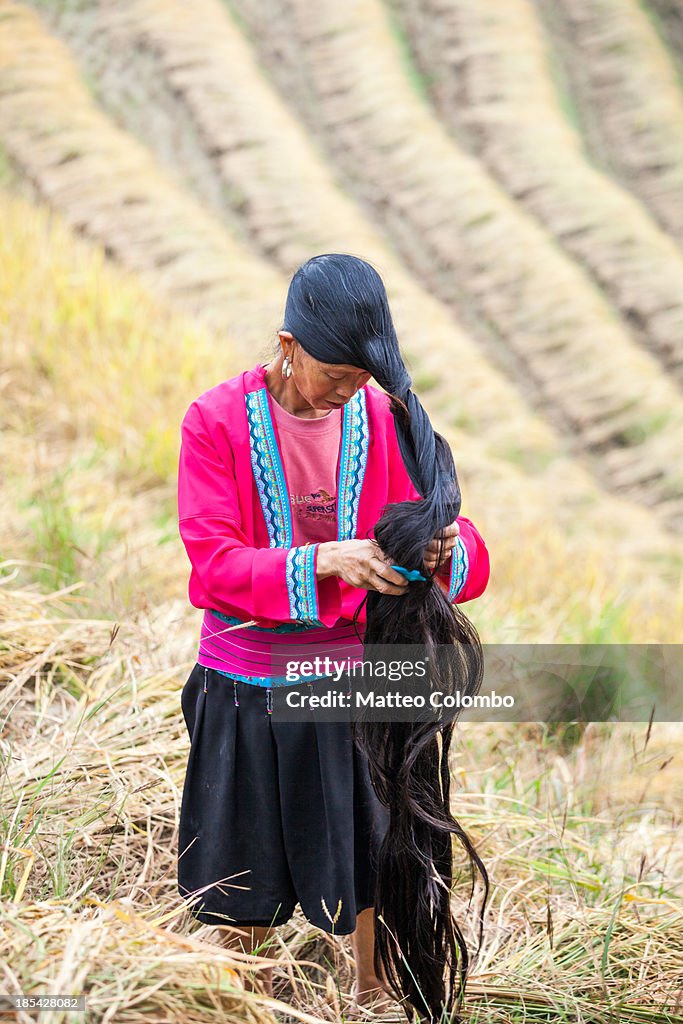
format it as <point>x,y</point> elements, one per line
<point>410,574</point>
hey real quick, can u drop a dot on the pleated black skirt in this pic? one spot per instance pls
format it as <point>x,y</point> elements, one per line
<point>273,813</point>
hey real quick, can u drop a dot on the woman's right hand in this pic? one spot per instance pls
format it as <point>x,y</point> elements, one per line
<point>361,563</point>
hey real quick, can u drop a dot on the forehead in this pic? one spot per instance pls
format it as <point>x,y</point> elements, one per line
<point>341,367</point>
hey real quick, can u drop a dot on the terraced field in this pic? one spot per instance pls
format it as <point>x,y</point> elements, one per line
<point>514,170</point>
<point>499,99</point>
<point>537,299</point>
<point>462,235</point>
<point>628,93</point>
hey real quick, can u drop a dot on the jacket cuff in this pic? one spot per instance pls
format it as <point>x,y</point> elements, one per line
<point>458,570</point>
<point>291,591</point>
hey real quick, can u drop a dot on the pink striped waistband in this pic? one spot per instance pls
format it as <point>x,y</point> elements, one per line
<point>265,656</point>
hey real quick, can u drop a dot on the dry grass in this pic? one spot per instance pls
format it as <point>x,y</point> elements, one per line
<point>89,451</point>
<point>264,165</point>
<point>582,845</point>
<point>534,310</point>
<point>629,96</point>
<point>532,307</point>
<point>108,187</point>
<point>580,829</point>
<point>501,98</point>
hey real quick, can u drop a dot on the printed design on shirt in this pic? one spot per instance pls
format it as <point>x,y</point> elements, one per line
<point>300,576</point>
<point>352,464</point>
<point>269,473</point>
<point>460,565</point>
<point>319,505</point>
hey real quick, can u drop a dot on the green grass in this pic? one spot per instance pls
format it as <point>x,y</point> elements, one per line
<point>64,537</point>
<point>421,82</point>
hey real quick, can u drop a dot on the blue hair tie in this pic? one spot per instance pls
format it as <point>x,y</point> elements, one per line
<point>410,574</point>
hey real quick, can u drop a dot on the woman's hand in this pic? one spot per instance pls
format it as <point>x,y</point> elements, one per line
<point>362,563</point>
<point>450,534</point>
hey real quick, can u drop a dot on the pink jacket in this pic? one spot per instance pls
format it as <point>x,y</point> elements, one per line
<point>234,514</point>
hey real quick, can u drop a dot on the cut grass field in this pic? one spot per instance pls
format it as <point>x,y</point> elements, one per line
<point>145,255</point>
<point>502,101</point>
<point>535,310</point>
<point>535,313</point>
<point>96,378</point>
<point>630,95</point>
<point>98,638</point>
<point>581,842</point>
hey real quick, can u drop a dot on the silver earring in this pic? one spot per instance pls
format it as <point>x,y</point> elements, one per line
<point>286,368</point>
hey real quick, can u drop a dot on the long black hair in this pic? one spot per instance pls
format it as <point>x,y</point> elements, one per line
<point>337,309</point>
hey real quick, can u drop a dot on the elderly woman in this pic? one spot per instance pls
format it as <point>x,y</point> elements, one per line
<point>284,471</point>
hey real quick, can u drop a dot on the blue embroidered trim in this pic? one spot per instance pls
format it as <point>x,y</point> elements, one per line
<point>271,483</point>
<point>269,473</point>
<point>300,576</point>
<point>460,565</point>
<point>352,465</point>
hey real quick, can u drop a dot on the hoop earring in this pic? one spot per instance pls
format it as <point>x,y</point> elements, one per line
<point>286,368</point>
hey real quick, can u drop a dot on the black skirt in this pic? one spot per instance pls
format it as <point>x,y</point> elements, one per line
<point>273,813</point>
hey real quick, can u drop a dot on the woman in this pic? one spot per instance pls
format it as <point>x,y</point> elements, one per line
<point>284,472</point>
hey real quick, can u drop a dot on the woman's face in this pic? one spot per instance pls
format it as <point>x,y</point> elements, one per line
<point>325,386</point>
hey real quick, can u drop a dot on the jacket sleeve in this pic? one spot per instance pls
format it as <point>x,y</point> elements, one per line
<point>465,574</point>
<point>277,584</point>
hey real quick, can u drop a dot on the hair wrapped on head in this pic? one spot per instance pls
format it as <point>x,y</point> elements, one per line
<point>337,309</point>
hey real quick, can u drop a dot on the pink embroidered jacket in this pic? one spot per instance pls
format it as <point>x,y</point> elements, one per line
<point>235,519</point>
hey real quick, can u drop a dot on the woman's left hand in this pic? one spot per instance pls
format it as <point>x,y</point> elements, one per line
<point>449,533</point>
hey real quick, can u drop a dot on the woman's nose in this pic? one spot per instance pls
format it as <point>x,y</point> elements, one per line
<point>352,388</point>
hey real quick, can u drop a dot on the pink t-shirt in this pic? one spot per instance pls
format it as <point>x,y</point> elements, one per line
<point>310,452</point>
